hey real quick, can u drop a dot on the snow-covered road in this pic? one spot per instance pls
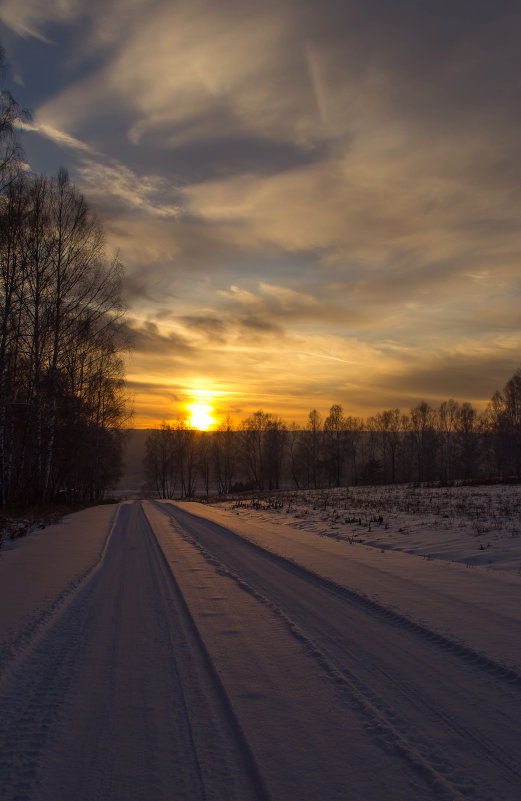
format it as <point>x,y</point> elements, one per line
<point>184,659</point>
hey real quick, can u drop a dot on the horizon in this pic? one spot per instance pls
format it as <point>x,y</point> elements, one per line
<point>221,414</point>
<point>202,424</point>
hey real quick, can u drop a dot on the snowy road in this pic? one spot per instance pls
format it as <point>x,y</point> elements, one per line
<point>190,663</point>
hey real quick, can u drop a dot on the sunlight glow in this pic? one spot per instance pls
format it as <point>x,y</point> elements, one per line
<point>201,416</point>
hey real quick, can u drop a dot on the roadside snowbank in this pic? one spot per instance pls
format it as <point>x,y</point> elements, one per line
<point>38,572</point>
<point>474,606</point>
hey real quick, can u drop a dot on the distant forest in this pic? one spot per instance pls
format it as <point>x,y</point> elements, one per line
<point>62,401</point>
<point>447,443</point>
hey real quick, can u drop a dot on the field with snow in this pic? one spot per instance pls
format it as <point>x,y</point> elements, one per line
<point>473,525</point>
<point>360,644</point>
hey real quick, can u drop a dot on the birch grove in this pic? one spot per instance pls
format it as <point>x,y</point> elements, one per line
<point>62,401</point>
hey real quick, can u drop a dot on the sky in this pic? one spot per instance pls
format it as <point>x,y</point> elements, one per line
<point>316,202</point>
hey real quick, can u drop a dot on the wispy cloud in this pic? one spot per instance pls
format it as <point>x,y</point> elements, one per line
<point>31,17</point>
<point>334,187</point>
<point>144,193</point>
<point>101,174</point>
<point>61,138</point>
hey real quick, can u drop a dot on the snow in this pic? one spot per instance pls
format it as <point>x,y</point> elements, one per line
<point>40,572</point>
<point>159,650</point>
<point>402,676</point>
<point>434,574</point>
<point>472,525</point>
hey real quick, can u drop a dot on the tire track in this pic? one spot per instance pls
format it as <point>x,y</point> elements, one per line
<point>115,697</point>
<point>509,675</point>
<point>443,773</point>
<point>209,679</point>
<point>366,703</point>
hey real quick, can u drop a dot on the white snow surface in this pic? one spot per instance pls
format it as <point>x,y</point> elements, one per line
<point>160,650</point>
<point>474,525</point>
<point>39,572</point>
<point>453,596</point>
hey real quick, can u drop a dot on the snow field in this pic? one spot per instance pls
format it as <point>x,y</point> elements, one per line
<point>477,526</point>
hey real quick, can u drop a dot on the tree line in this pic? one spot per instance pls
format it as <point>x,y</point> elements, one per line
<point>62,398</point>
<point>447,443</point>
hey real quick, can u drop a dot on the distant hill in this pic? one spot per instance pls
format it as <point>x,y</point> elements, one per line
<point>133,478</point>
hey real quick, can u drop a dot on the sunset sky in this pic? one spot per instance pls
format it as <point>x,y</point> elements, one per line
<point>316,202</point>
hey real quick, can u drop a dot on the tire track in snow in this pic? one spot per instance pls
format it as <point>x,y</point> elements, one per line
<point>497,670</point>
<point>366,703</point>
<point>112,699</point>
<point>308,740</point>
<point>210,680</point>
<point>444,775</point>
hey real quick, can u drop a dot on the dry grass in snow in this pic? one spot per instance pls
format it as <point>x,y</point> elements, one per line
<point>477,526</point>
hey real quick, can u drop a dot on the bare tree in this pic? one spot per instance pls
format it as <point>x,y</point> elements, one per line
<point>334,435</point>
<point>422,430</point>
<point>224,442</point>
<point>61,317</point>
<point>204,458</point>
<point>275,438</point>
<point>388,423</point>
<point>297,462</point>
<point>252,447</point>
<point>186,452</point>
<point>11,116</point>
<point>313,436</point>
<point>159,461</point>
<point>468,441</point>
<point>503,421</point>
<point>447,421</point>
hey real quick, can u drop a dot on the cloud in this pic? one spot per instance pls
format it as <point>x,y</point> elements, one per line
<point>210,326</point>
<point>378,177</point>
<point>289,373</point>
<point>144,193</point>
<point>189,61</point>
<point>289,300</point>
<point>382,202</point>
<point>467,375</point>
<point>147,338</point>
<point>185,63</point>
<point>59,137</point>
<point>312,200</point>
<point>32,16</point>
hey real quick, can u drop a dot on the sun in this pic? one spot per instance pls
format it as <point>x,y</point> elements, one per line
<point>201,416</point>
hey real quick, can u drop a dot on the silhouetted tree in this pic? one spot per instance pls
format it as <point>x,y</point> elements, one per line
<point>422,419</point>
<point>225,445</point>
<point>253,448</point>
<point>11,115</point>
<point>447,421</point>
<point>275,438</point>
<point>468,441</point>
<point>61,336</point>
<point>161,467</point>
<point>334,428</point>
<point>312,440</point>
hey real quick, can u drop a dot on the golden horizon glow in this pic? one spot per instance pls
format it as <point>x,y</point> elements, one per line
<point>201,416</point>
